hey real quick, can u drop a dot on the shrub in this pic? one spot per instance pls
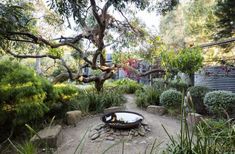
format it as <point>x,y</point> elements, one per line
<point>22,94</point>
<point>171,98</point>
<point>198,93</point>
<point>209,136</point>
<point>180,86</point>
<point>127,85</point>
<point>61,99</point>
<point>220,101</point>
<point>147,96</point>
<point>64,92</point>
<point>164,85</point>
<point>96,102</point>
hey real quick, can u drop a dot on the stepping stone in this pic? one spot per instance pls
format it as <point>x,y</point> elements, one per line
<point>72,117</point>
<point>95,136</point>
<point>159,110</point>
<point>49,136</point>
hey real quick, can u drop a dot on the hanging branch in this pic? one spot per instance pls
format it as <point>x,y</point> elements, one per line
<point>217,43</point>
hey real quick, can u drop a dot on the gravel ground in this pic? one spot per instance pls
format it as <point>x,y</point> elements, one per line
<point>73,135</point>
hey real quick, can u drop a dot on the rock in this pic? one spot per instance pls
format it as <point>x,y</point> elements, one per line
<point>159,110</point>
<point>50,136</point>
<point>193,119</point>
<point>124,133</point>
<point>114,109</point>
<point>92,132</point>
<point>100,126</point>
<point>143,142</point>
<point>72,117</point>
<point>147,128</point>
<point>107,129</point>
<point>95,136</point>
<point>141,131</point>
<point>110,138</point>
<point>132,132</point>
<point>136,133</point>
<point>117,133</point>
<point>144,123</point>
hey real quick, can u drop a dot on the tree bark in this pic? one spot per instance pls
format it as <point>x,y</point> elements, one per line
<point>99,85</point>
<point>191,79</point>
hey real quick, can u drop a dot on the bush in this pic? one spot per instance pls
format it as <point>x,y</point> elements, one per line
<point>61,99</point>
<point>97,102</point>
<point>180,86</point>
<point>198,93</point>
<point>22,94</point>
<point>209,136</point>
<point>127,85</point>
<point>171,98</point>
<point>220,101</point>
<point>64,92</point>
<point>147,96</point>
<point>164,85</point>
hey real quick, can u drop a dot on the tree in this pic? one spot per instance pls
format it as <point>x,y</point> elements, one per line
<point>96,28</point>
<point>225,25</point>
<point>187,60</point>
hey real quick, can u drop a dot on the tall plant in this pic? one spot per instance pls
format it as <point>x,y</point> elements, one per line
<point>187,60</point>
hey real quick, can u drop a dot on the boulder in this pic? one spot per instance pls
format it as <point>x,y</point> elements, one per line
<point>193,119</point>
<point>114,109</point>
<point>72,117</point>
<point>159,110</point>
<point>49,136</point>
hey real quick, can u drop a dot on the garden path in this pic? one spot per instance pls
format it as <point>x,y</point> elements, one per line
<point>73,135</point>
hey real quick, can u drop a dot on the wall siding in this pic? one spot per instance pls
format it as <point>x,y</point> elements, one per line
<point>216,78</point>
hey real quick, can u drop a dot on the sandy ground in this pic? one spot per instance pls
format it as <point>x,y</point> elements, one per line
<point>73,135</point>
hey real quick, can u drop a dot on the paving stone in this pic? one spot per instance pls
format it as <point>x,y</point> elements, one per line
<point>110,138</point>
<point>50,136</point>
<point>124,133</point>
<point>72,117</point>
<point>95,136</point>
<point>159,110</point>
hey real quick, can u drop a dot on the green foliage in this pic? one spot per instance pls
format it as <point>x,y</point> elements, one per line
<point>224,11</point>
<point>209,136</point>
<point>189,23</point>
<point>179,86</point>
<point>22,93</point>
<point>187,60</point>
<point>58,52</point>
<point>26,148</point>
<point>171,98</point>
<point>64,92</point>
<point>164,85</point>
<point>198,93</point>
<point>220,101</point>
<point>93,101</point>
<point>147,96</point>
<point>127,85</point>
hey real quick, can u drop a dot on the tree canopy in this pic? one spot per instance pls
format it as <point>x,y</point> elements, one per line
<point>97,26</point>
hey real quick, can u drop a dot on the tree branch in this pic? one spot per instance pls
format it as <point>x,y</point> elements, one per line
<point>160,71</point>
<point>40,40</point>
<point>230,40</point>
<point>95,13</point>
<point>30,56</point>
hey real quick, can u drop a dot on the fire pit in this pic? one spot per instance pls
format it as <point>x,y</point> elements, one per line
<point>122,119</point>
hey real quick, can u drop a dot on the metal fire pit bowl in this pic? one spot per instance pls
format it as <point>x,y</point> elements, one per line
<point>122,119</point>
